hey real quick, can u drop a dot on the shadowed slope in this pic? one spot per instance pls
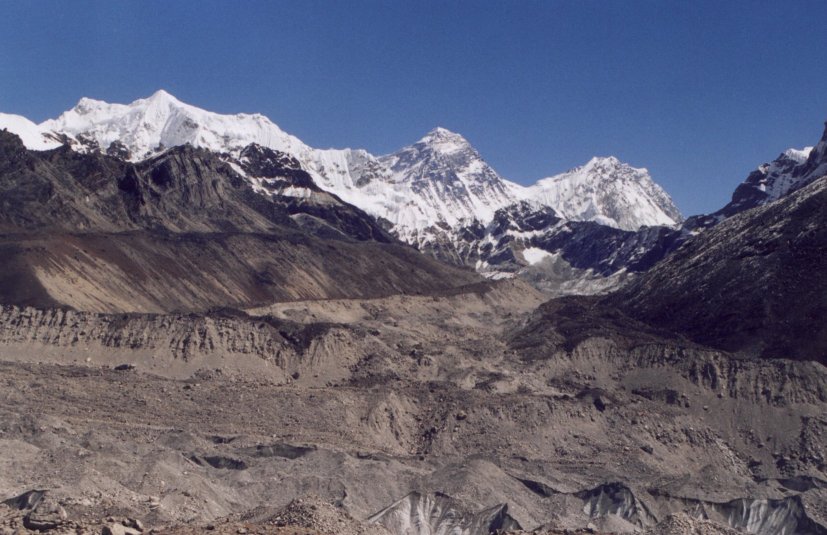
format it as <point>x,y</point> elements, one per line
<point>754,283</point>
<point>184,231</point>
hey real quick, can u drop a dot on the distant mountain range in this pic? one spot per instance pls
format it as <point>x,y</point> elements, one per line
<point>583,231</point>
<point>441,179</point>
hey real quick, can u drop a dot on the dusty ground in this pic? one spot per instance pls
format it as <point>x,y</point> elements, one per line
<point>469,394</point>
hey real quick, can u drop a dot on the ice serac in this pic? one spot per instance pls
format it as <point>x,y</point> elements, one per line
<point>610,192</point>
<point>438,514</point>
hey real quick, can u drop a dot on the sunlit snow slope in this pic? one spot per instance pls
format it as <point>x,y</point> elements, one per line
<point>439,182</point>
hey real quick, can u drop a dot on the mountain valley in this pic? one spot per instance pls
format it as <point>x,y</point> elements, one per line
<point>207,325</point>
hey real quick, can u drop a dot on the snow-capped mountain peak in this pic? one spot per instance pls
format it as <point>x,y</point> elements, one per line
<point>438,144</point>
<point>606,166</point>
<point>610,192</point>
<point>603,160</point>
<point>445,157</point>
<point>150,124</point>
<point>443,141</point>
<point>777,176</point>
<point>449,181</point>
<point>792,169</point>
<point>155,101</point>
<point>163,95</point>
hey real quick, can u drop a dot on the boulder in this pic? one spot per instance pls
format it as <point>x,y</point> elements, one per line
<point>119,529</point>
<point>47,514</point>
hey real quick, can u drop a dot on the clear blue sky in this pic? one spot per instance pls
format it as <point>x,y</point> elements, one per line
<point>699,92</point>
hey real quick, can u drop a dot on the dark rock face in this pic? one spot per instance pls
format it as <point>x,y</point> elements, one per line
<point>264,162</point>
<point>522,217</point>
<point>318,212</point>
<point>813,168</point>
<point>754,283</point>
<point>184,231</point>
<point>607,250</point>
<point>584,245</point>
<point>183,190</point>
<point>118,150</point>
<point>27,500</point>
